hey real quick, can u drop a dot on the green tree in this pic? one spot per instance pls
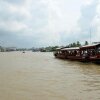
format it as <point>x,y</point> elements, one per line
<point>74,45</point>
<point>86,43</point>
<point>71,45</point>
<point>78,44</point>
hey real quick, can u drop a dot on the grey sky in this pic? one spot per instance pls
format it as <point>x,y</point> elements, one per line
<point>27,23</point>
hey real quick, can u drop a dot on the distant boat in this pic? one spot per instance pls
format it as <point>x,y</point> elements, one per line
<point>23,51</point>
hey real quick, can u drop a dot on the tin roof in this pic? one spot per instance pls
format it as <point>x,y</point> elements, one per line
<point>90,46</point>
<point>58,48</point>
<point>75,48</point>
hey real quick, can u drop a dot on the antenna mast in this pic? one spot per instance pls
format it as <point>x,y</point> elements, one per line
<point>90,36</point>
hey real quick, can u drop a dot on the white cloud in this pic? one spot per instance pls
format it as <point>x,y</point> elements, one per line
<point>13,26</point>
<point>47,21</point>
<point>96,23</point>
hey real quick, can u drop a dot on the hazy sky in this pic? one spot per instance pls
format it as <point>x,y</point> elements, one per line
<point>34,23</point>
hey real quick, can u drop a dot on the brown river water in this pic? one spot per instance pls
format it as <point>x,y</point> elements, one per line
<point>40,76</point>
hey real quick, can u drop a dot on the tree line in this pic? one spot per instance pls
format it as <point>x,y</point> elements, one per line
<point>77,44</point>
<point>53,48</point>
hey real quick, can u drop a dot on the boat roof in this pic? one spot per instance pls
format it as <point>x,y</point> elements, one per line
<point>58,48</point>
<point>75,48</point>
<point>89,46</point>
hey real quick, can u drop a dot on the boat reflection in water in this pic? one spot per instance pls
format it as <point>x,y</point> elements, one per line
<point>88,53</point>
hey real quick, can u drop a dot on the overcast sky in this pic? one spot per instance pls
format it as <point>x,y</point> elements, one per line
<point>34,23</point>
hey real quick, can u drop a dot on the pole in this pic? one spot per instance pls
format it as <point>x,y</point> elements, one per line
<point>90,36</point>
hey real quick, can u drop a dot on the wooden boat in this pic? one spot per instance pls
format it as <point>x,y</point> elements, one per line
<point>86,53</point>
<point>72,53</point>
<point>91,52</point>
<point>59,54</point>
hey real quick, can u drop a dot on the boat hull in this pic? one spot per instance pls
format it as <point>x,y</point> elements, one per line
<point>79,58</point>
<point>60,56</point>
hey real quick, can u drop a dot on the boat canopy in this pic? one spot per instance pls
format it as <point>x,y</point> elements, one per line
<point>92,46</point>
<point>66,49</point>
<point>58,48</point>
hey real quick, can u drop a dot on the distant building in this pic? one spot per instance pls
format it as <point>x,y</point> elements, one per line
<point>42,50</point>
<point>10,49</point>
<point>7,49</point>
<point>35,49</point>
<point>95,42</point>
<point>0,48</point>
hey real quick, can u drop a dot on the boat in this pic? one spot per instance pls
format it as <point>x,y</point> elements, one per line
<point>88,53</point>
<point>23,51</point>
<point>60,54</point>
<point>91,52</point>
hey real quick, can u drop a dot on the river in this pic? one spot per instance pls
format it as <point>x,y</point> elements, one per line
<point>40,76</point>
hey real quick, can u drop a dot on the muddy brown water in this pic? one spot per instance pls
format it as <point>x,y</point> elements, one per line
<point>39,76</point>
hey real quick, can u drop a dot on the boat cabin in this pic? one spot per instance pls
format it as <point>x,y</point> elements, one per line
<point>59,53</point>
<point>71,51</point>
<point>90,52</point>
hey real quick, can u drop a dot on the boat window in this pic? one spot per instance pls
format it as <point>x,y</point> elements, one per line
<point>98,50</point>
<point>86,51</point>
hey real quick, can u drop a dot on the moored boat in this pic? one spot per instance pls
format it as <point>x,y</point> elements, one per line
<point>91,52</point>
<point>88,53</point>
<point>59,53</point>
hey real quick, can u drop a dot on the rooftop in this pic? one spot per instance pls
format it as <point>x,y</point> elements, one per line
<point>91,45</point>
<point>75,48</point>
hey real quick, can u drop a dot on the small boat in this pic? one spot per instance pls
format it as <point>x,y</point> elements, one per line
<point>88,53</point>
<point>23,51</point>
